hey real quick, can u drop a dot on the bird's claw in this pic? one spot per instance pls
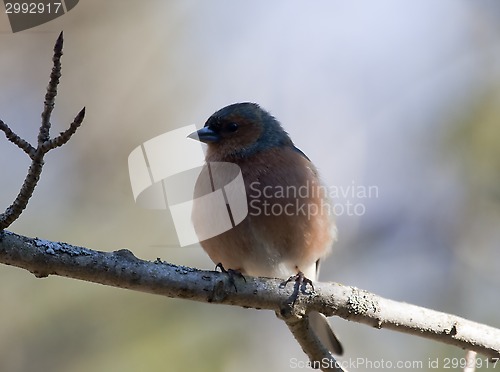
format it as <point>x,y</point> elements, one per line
<point>301,283</point>
<point>231,274</point>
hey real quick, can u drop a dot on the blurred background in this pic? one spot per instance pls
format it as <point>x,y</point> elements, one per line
<point>401,96</point>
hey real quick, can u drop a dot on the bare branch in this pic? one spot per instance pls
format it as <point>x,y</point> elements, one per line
<point>19,204</point>
<point>319,356</point>
<point>122,269</point>
<point>18,141</point>
<point>65,136</point>
<point>45,144</point>
<point>51,94</point>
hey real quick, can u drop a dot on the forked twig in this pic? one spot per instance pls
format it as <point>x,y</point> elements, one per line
<point>45,143</point>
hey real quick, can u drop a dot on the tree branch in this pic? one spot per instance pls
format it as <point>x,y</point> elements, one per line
<point>16,140</point>
<point>123,270</point>
<point>65,136</point>
<point>45,143</point>
<point>319,356</point>
<point>50,96</point>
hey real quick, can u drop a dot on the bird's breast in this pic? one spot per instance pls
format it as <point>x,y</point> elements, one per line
<point>289,222</point>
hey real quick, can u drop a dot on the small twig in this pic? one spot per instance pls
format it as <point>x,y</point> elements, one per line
<point>51,94</point>
<point>45,143</point>
<point>18,141</point>
<point>65,136</point>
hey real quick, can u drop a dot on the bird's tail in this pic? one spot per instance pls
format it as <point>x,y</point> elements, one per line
<point>321,328</point>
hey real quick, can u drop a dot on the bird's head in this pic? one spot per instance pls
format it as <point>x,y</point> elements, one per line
<point>241,130</point>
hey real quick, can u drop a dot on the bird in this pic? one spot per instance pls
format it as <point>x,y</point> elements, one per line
<point>280,237</point>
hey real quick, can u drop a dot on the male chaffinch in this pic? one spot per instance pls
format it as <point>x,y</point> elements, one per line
<point>288,228</point>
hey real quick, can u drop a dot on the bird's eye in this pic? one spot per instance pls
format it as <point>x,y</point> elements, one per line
<point>232,127</point>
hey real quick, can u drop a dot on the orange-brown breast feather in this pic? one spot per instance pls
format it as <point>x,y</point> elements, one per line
<point>288,227</point>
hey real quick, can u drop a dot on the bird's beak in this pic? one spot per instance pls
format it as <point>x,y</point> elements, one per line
<point>206,135</point>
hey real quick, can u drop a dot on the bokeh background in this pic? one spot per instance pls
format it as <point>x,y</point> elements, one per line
<point>403,96</point>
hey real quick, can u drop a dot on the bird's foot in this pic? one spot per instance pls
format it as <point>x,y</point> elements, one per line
<point>231,274</point>
<point>301,283</point>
